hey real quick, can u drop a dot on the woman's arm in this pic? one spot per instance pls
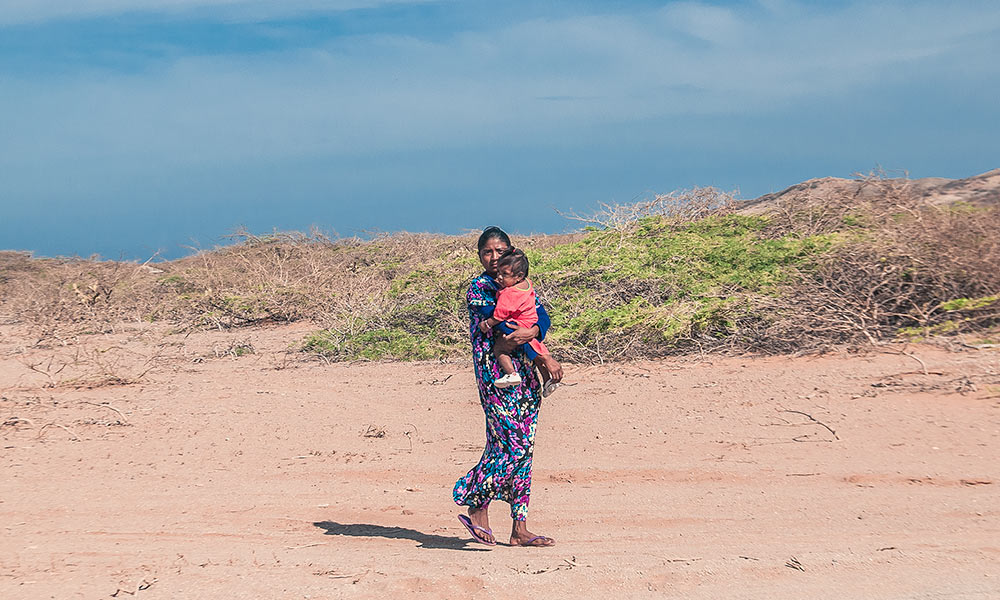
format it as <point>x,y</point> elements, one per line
<point>519,335</point>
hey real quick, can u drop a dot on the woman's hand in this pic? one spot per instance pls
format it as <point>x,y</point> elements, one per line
<point>552,366</point>
<point>484,326</point>
<point>521,335</point>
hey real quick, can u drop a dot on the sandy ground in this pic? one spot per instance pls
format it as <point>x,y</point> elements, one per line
<point>271,475</point>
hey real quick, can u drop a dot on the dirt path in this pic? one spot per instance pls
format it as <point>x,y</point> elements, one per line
<point>265,476</point>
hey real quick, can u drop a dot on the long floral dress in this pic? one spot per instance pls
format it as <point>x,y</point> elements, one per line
<point>504,471</point>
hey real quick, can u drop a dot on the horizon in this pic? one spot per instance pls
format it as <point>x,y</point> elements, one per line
<point>230,238</point>
<point>129,131</point>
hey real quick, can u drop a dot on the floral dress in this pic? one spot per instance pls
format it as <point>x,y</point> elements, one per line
<point>504,471</point>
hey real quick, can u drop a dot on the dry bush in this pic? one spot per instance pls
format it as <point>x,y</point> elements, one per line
<point>912,267</point>
<point>275,278</point>
<point>682,206</point>
<point>867,200</point>
<point>61,297</point>
<point>405,283</point>
<point>280,277</point>
<point>898,264</point>
<point>598,345</point>
<point>79,366</point>
<point>397,283</point>
<point>234,349</point>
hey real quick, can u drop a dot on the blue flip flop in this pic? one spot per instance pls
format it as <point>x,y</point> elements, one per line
<point>475,531</point>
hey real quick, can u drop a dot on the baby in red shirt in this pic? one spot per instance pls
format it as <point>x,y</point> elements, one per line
<point>516,302</point>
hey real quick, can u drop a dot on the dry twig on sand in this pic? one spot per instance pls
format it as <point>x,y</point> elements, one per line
<point>305,546</point>
<point>814,420</point>
<point>75,437</point>
<point>567,564</point>
<point>373,432</point>
<point>109,407</point>
<point>13,422</point>
<point>142,585</point>
<point>903,352</point>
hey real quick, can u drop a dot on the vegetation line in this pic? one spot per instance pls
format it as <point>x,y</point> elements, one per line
<point>686,272</point>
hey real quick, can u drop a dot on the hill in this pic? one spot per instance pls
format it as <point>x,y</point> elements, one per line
<point>979,190</point>
<point>825,262</point>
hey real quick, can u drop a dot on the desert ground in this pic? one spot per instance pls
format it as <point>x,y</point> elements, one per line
<point>147,464</point>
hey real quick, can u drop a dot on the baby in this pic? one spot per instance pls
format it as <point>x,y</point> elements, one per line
<point>516,302</point>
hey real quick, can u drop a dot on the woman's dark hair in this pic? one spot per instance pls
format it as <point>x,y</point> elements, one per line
<point>490,233</point>
<point>516,260</point>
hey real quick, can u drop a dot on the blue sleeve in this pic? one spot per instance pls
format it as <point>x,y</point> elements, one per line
<point>544,322</point>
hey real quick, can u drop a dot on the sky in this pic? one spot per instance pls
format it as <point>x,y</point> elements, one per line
<point>134,128</point>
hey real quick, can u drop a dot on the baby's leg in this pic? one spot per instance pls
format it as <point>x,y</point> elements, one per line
<point>504,361</point>
<point>543,360</point>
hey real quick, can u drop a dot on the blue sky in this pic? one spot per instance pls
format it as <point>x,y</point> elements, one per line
<point>125,130</point>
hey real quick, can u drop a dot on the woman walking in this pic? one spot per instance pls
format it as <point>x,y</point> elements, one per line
<point>504,471</point>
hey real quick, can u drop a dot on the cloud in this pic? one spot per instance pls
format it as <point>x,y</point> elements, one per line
<point>198,111</point>
<point>713,24</point>
<point>34,11</point>
<point>541,81</point>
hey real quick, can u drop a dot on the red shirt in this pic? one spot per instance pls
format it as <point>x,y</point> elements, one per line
<point>517,305</point>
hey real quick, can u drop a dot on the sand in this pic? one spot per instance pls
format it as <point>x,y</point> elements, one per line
<point>277,475</point>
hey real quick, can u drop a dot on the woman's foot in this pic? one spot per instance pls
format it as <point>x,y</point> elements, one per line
<point>520,536</point>
<point>480,518</point>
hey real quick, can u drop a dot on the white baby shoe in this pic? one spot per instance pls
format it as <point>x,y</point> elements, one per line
<point>508,381</point>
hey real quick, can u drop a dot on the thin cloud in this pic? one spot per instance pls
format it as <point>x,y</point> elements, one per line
<point>533,82</point>
<point>32,11</point>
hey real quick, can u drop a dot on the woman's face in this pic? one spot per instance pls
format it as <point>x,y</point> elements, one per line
<point>490,253</point>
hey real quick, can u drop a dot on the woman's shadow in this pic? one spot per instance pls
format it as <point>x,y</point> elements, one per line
<point>424,539</point>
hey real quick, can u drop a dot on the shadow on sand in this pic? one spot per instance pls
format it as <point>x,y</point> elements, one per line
<point>424,539</point>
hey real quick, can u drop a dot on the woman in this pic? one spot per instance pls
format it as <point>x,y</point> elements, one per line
<point>504,471</point>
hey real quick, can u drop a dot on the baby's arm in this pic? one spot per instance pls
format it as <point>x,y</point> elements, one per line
<point>491,320</point>
<point>504,309</point>
<point>487,324</point>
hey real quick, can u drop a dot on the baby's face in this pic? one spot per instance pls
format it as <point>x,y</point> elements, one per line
<point>506,277</point>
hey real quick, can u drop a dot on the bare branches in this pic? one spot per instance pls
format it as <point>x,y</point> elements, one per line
<point>903,266</point>
<point>681,207</point>
<point>81,366</point>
